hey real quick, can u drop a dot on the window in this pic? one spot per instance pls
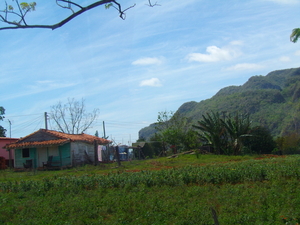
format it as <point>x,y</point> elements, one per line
<point>25,152</point>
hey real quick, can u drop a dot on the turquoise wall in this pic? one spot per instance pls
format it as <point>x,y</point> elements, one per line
<point>63,159</point>
<point>19,160</point>
<point>65,154</point>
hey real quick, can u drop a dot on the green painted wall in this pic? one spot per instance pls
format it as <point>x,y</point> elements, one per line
<point>63,158</point>
<point>19,160</point>
<point>65,154</point>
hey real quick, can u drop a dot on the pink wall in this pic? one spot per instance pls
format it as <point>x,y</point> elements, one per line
<point>4,141</point>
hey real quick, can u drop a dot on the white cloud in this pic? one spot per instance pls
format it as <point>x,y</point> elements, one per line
<point>245,66</point>
<point>147,61</point>
<point>153,82</point>
<point>215,54</point>
<point>297,53</point>
<point>284,59</point>
<point>285,1</point>
<point>236,43</point>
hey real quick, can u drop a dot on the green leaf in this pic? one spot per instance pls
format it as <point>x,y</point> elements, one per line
<point>295,35</point>
<point>24,5</point>
<point>107,6</point>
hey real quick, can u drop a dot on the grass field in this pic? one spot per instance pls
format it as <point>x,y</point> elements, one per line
<point>183,190</point>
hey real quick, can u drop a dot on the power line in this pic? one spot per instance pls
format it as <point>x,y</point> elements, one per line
<point>28,124</point>
<point>34,114</point>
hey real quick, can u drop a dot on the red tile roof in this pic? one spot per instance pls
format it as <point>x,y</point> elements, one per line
<point>57,138</point>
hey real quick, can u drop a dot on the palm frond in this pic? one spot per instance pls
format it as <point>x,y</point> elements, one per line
<point>295,35</point>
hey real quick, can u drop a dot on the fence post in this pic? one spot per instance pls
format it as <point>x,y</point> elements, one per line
<point>214,215</point>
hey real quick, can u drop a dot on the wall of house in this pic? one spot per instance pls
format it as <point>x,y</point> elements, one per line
<point>65,154</point>
<point>82,153</point>
<point>20,160</point>
<point>60,155</point>
<point>70,154</point>
<point>3,152</point>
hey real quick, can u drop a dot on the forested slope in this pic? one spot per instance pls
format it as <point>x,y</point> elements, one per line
<point>271,101</point>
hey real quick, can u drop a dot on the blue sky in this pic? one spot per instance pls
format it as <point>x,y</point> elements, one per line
<point>155,60</point>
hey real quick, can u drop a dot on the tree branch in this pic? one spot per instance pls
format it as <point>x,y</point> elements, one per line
<point>22,15</point>
<point>23,25</point>
<point>69,3</point>
<point>152,5</point>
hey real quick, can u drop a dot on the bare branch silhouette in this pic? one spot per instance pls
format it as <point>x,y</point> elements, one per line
<point>23,8</point>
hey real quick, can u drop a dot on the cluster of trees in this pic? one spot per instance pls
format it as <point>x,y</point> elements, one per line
<point>174,131</point>
<point>224,133</point>
<point>288,144</point>
<point>2,130</point>
<point>233,134</point>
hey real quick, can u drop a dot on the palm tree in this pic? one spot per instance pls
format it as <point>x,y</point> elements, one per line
<point>238,128</point>
<point>295,35</point>
<point>225,134</point>
<point>212,131</point>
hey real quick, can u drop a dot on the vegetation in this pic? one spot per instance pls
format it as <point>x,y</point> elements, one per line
<point>173,131</point>
<point>233,134</point>
<point>288,144</point>
<point>295,35</point>
<point>242,190</point>
<point>2,130</point>
<point>271,102</point>
<point>71,117</point>
<point>224,134</point>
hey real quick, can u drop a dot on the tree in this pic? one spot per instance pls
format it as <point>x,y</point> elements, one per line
<point>288,144</point>
<point>15,13</point>
<point>2,130</point>
<point>173,130</point>
<point>226,133</point>
<point>213,132</point>
<point>295,35</point>
<point>238,128</point>
<point>72,117</point>
<point>260,141</point>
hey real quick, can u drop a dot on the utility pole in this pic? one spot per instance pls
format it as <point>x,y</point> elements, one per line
<point>9,128</point>
<point>104,135</point>
<point>46,123</point>
<point>9,150</point>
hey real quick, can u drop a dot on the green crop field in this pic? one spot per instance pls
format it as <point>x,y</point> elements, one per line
<point>183,190</point>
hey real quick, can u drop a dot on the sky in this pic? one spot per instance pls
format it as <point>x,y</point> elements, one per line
<point>153,61</point>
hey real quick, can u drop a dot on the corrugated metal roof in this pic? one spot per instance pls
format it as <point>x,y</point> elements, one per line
<point>59,139</point>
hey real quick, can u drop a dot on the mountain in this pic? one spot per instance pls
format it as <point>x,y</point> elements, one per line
<point>272,101</point>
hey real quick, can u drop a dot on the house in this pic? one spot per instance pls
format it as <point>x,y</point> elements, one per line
<point>8,155</point>
<point>52,148</point>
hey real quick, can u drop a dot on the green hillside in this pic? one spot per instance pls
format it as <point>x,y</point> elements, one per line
<point>271,101</point>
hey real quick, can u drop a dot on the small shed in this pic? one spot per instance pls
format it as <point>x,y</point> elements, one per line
<point>52,148</point>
